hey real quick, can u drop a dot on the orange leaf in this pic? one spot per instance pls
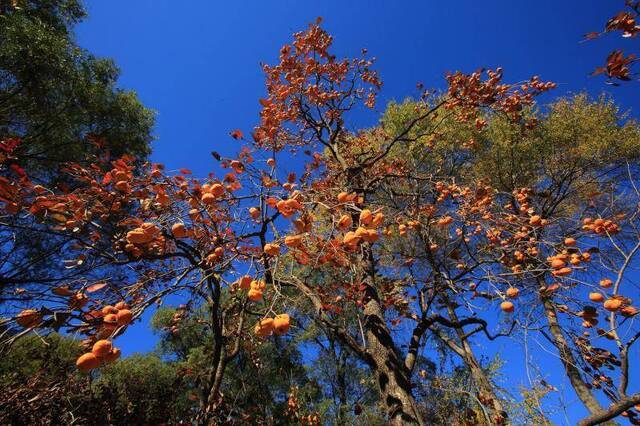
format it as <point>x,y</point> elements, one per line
<point>96,287</point>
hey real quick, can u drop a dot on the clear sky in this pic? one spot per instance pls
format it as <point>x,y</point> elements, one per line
<point>197,63</point>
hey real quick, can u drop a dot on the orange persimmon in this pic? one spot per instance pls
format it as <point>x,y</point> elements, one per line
<point>272,249</point>
<point>87,362</point>
<point>179,230</point>
<point>281,324</point>
<point>596,297</point>
<point>124,317</point>
<point>513,292</point>
<point>264,327</point>
<point>612,305</point>
<point>507,306</point>
<point>101,347</point>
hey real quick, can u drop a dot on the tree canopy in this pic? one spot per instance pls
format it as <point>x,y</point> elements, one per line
<point>362,287</point>
<point>57,97</point>
<point>64,104</point>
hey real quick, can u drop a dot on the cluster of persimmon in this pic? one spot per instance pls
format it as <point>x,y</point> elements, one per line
<point>367,221</point>
<point>517,236</point>
<point>600,226</point>
<point>255,288</point>
<point>102,352</point>
<point>177,318</point>
<point>365,232</point>
<point>559,261</point>
<point>464,207</point>
<point>507,305</point>
<point>104,323</point>
<point>278,325</point>
<point>147,238</point>
<point>332,249</point>
<point>267,326</point>
<point>288,207</point>
<point>469,92</point>
<point>567,257</point>
<point>109,317</point>
<point>517,233</point>
<point>615,303</point>
<point>100,198</point>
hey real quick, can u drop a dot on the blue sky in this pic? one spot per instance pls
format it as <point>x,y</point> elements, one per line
<point>197,63</point>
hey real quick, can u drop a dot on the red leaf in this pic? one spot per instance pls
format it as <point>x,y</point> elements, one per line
<point>236,134</point>
<point>591,36</point>
<point>107,178</point>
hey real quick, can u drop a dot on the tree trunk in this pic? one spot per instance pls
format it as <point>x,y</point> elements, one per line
<point>393,378</point>
<point>218,364</point>
<point>486,392</point>
<point>210,402</point>
<point>380,355</point>
<point>568,360</point>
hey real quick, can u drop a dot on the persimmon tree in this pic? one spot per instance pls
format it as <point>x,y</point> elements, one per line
<point>310,93</point>
<point>457,204</point>
<point>585,173</point>
<point>137,239</point>
<point>576,163</point>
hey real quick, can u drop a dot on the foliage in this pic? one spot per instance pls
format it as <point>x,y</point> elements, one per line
<point>144,389</point>
<point>63,102</point>
<point>463,218</point>
<point>57,96</point>
<point>618,66</point>
<point>39,386</point>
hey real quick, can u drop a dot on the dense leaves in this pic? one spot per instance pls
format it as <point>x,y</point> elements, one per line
<point>57,96</point>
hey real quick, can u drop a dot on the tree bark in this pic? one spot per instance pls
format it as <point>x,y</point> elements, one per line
<point>568,360</point>
<point>393,378</point>
<point>218,364</point>
<point>212,386</point>
<point>613,411</point>
<point>379,353</point>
